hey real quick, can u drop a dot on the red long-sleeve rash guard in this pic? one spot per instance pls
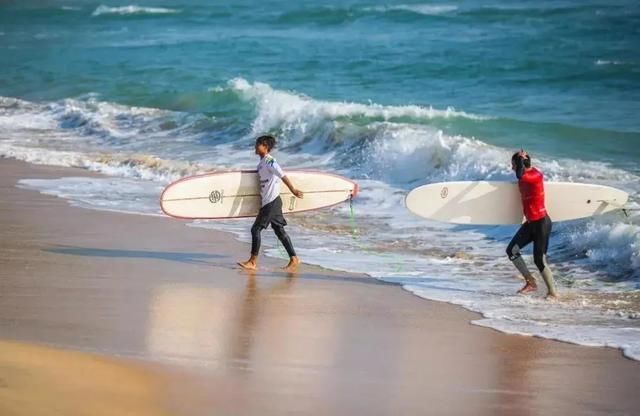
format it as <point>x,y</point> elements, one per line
<point>531,185</point>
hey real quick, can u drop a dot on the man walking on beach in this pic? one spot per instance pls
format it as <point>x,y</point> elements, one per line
<point>537,227</point>
<point>270,175</point>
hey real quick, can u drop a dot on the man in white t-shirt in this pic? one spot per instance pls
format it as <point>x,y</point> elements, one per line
<point>270,175</point>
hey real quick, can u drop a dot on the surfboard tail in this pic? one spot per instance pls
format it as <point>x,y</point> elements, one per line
<point>356,189</point>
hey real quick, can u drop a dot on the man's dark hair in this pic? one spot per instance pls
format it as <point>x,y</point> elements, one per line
<point>267,140</point>
<point>526,160</point>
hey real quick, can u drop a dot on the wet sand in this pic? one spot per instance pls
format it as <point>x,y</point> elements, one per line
<point>109,313</point>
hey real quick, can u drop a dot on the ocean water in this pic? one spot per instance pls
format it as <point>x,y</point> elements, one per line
<point>391,94</point>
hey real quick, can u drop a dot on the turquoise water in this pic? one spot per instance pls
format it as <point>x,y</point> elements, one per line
<point>392,94</point>
<point>555,76</point>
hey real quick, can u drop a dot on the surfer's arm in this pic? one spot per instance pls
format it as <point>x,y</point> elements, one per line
<point>291,187</point>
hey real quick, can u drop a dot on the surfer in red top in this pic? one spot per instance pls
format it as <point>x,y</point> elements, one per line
<point>536,228</point>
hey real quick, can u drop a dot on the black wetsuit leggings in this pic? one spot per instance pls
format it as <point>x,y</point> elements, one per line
<point>537,232</point>
<point>271,214</point>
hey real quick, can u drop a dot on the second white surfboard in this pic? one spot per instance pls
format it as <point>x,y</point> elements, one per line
<point>497,203</point>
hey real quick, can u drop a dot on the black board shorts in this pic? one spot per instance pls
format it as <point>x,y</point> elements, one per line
<point>271,214</point>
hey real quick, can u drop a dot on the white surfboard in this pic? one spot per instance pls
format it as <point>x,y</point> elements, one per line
<point>496,203</point>
<point>237,194</point>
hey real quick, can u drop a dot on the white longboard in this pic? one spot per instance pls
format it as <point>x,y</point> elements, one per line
<point>237,194</point>
<point>497,203</point>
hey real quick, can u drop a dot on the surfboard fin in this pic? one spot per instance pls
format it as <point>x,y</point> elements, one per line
<point>612,203</point>
<point>621,207</point>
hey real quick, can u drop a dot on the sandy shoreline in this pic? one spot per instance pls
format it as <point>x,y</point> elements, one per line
<point>167,311</point>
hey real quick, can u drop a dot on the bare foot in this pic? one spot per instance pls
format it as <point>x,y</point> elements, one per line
<point>528,287</point>
<point>551,296</point>
<point>293,265</point>
<point>247,265</point>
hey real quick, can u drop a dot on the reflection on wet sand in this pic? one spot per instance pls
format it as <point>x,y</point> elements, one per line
<point>279,341</point>
<point>248,311</point>
<point>209,326</point>
<point>514,385</point>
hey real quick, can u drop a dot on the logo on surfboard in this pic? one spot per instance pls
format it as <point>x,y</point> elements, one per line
<point>216,196</point>
<point>444,192</point>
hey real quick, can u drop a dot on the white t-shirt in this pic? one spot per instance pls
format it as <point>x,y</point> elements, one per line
<point>270,175</point>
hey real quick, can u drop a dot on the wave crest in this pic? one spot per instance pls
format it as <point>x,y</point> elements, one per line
<point>131,10</point>
<point>277,107</point>
<point>423,9</point>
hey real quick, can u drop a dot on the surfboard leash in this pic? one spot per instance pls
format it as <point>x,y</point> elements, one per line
<point>352,218</point>
<point>627,217</point>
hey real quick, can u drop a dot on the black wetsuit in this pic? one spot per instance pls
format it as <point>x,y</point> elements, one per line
<point>537,228</point>
<point>536,232</point>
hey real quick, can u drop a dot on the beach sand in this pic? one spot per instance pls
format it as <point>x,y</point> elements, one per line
<point>106,313</point>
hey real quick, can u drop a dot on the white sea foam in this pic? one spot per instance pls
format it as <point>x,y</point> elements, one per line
<point>144,167</point>
<point>100,136</point>
<point>132,10</point>
<point>571,320</point>
<point>121,195</point>
<point>424,9</point>
<point>608,62</point>
<point>605,244</point>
